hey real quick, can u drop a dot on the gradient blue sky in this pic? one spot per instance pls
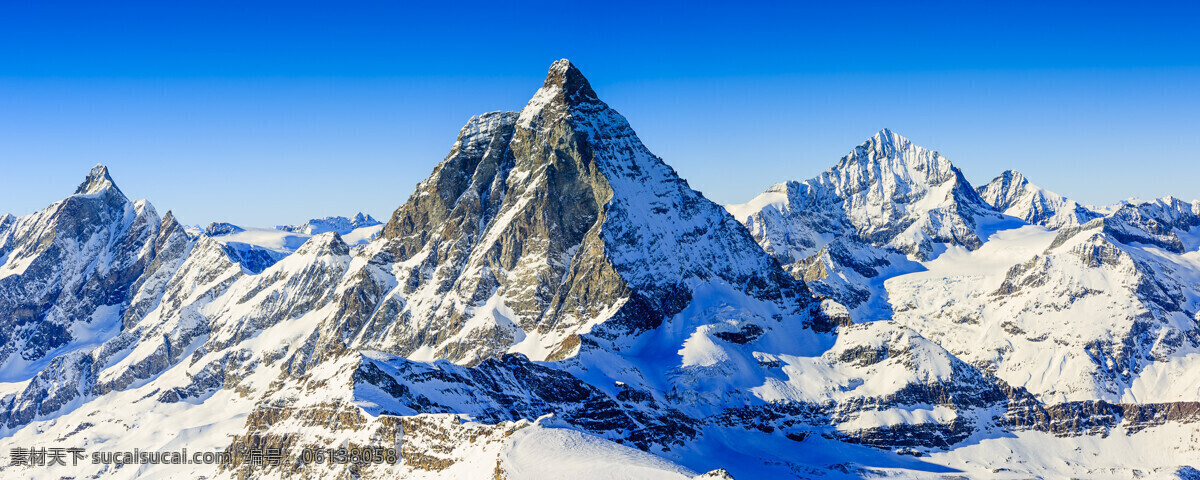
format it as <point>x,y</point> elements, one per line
<point>262,113</point>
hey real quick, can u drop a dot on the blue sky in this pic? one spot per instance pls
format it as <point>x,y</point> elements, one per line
<point>273,113</point>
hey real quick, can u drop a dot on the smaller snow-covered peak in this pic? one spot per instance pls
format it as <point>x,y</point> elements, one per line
<point>329,243</point>
<point>1166,223</point>
<point>887,191</point>
<point>1175,203</point>
<point>1012,177</point>
<point>775,197</point>
<point>361,218</point>
<point>1006,189</point>
<point>341,225</point>
<point>221,228</point>
<point>888,170</point>
<point>1014,195</point>
<point>97,181</point>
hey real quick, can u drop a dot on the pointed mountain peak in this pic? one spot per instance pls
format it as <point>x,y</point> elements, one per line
<point>362,219</point>
<point>564,76</point>
<point>328,243</point>
<point>97,181</point>
<point>1003,191</point>
<point>886,143</point>
<point>1012,177</point>
<point>887,135</point>
<point>565,89</point>
<point>888,151</point>
<point>1013,194</point>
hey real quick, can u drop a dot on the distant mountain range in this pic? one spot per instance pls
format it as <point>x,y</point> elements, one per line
<point>258,248</point>
<point>554,301</point>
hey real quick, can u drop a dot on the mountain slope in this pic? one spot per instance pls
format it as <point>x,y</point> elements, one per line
<point>1077,314</point>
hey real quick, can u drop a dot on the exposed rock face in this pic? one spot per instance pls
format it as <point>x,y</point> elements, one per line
<point>885,385</point>
<point>1012,194</point>
<point>6,221</point>
<point>68,273</point>
<point>1161,223</point>
<point>512,388</point>
<point>1071,419</point>
<point>553,233</point>
<point>221,228</point>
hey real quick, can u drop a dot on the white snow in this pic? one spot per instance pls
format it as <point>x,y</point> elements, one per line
<point>557,453</point>
<point>868,419</point>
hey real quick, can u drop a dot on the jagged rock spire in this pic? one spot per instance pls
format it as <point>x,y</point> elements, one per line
<point>97,181</point>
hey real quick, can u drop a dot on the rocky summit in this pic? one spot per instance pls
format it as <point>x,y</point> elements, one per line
<point>554,301</point>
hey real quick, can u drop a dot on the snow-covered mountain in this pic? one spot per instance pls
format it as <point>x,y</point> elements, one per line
<point>342,225</point>
<point>883,206</point>
<point>1074,307</point>
<point>887,192</point>
<point>554,301</point>
<point>547,224</point>
<point>72,274</point>
<point>1078,306</point>
<point>1071,315</point>
<point>1012,194</point>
